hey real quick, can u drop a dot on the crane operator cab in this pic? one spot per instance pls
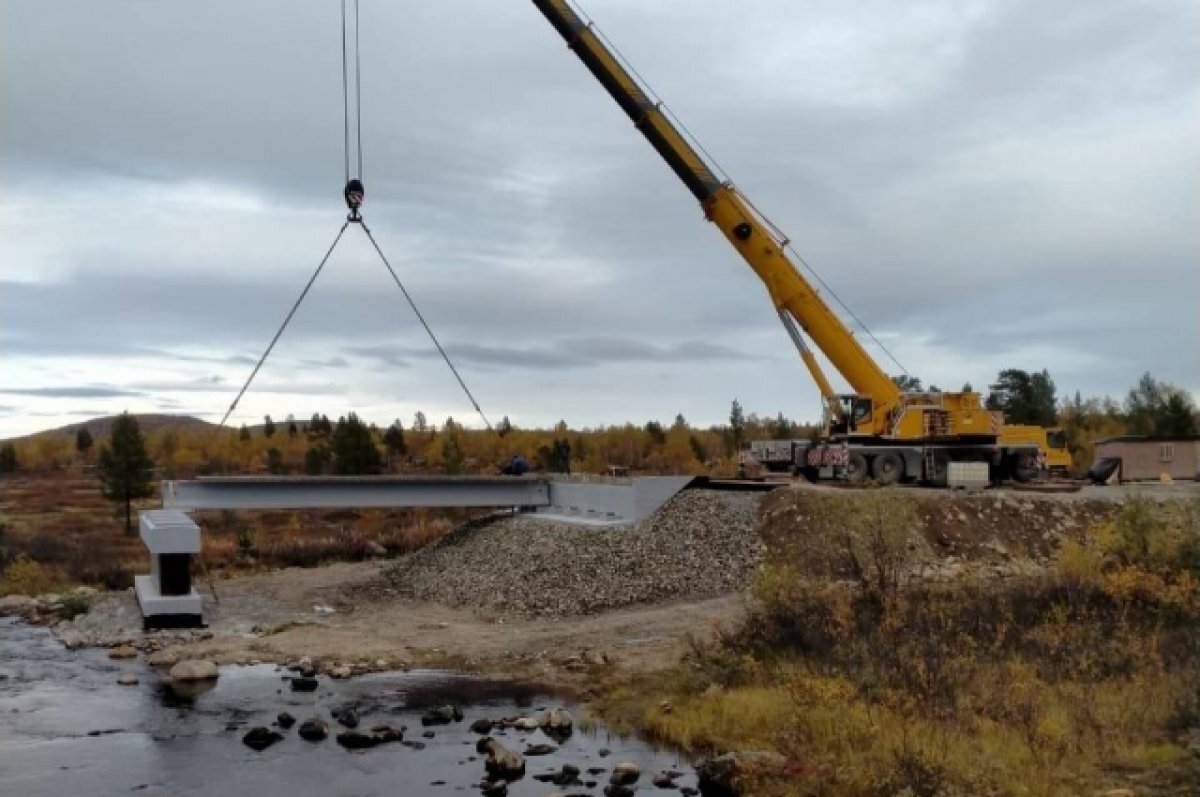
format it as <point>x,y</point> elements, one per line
<point>854,412</point>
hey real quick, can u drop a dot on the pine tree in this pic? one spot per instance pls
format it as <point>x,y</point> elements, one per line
<point>1024,398</point>
<point>737,427</point>
<point>83,441</point>
<point>125,467</point>
<point>275,461</point>
<point>504,427</point>
<point>8,458</point>
<point>354,450</point>
<point>314,460</point>
<point>453,457</point>
<point>268,426</point>
<point>393,438</point>
<point>244,434</point>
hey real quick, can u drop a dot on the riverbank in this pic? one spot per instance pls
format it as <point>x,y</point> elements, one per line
<point>284,615</point>
<point>889,639</point>
<point>867,667</point>
<point>67,727</point>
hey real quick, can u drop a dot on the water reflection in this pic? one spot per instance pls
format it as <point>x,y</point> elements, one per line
<point>66,727</point>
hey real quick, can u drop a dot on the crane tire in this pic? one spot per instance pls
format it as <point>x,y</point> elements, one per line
<point>1024,468</point>
<point>887,468</point>
<point>856,467</point>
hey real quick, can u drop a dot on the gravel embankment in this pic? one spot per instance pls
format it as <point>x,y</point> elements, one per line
<point>701,544</point>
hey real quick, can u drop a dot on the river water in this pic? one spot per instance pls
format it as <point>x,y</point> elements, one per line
<point>67,728</point>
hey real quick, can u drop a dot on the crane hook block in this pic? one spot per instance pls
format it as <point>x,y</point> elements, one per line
<point>355,194</point>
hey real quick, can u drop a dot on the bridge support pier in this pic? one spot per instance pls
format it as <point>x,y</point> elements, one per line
<point>166,596</point>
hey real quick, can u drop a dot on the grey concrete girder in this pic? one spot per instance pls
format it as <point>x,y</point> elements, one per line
<point>331,492</point>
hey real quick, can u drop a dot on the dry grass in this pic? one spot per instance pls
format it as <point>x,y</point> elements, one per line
<point>1085,679</point>
<point>57,530</point>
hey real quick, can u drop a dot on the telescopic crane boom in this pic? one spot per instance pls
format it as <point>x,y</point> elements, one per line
<point>908,434</point>
<point>795,299</point>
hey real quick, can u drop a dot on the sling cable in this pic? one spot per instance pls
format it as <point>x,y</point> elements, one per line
<point>354,194</point>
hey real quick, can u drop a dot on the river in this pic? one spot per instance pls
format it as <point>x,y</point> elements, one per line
<point>67,728</point>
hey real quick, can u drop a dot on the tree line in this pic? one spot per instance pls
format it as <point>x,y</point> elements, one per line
<point>349,445</point>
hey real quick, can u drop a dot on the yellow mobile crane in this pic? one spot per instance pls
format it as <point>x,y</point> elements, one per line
<point>878,430</point>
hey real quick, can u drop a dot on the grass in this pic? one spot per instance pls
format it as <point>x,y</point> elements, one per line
<point>58,531</point>
<point>872,682</point>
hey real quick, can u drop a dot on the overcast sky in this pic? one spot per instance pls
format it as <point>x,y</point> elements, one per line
<point>987,184</point>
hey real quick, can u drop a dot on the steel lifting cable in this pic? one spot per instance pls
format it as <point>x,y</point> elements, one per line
<point>345,100</point>
<point>429,331</point>
<point>716,166</point>
<point>354,195</point>
<point>283,326</point>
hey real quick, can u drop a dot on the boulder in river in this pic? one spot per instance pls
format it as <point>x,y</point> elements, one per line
<point>567,776</point>
<point>18,605</point>
<point>303,684</point>
<point>625,773</point>
<point>357,740</point>
<point>442,715</point>
<point>556,719</point>
<point>557,724</point>
<point>194,670</point>
<point>261,738</point>
<point>387,733</point>
<point>495,788</point>
<point>664,780</point>
<point>501,762</point>
<point>128,679</point>
<point>540,749</point>
<point>347,717</point>
<point>163,658</point>
<point>482,726</point>
<point>720,776</point>
<point>122,652</point>
<point>313,729</point>
<point>285,720</point>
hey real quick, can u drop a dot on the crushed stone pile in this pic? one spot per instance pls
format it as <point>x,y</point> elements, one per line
<point>700,544</point>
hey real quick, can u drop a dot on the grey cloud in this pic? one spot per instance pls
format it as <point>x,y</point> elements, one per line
<point>388,355</point>
<point>81,391</point>
<point>331,362</point>
<point>988,179</point>
<point>218,384</point>
<point>566,353</point>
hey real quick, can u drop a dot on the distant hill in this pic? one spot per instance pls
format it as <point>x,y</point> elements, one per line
<point>99,427</point>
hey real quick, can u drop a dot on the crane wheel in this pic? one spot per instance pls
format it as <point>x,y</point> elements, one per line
<point>856,467</point>
<point>1024,469</point>
<point>887,468</point>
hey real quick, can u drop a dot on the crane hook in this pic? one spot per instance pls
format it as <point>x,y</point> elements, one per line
<point>355,194</point>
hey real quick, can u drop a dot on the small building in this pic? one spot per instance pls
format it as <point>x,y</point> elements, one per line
<point>1150,458</point>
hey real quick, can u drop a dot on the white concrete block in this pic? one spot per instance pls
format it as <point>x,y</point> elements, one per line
<point>153,602</point>
<point>168,531</point>
<point>967,475</point>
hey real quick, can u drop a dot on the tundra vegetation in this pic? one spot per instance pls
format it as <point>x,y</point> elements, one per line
<point>872,678</point>
<point>52,516</point>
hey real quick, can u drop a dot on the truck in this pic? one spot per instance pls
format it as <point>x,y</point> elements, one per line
<point>875,430</point>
